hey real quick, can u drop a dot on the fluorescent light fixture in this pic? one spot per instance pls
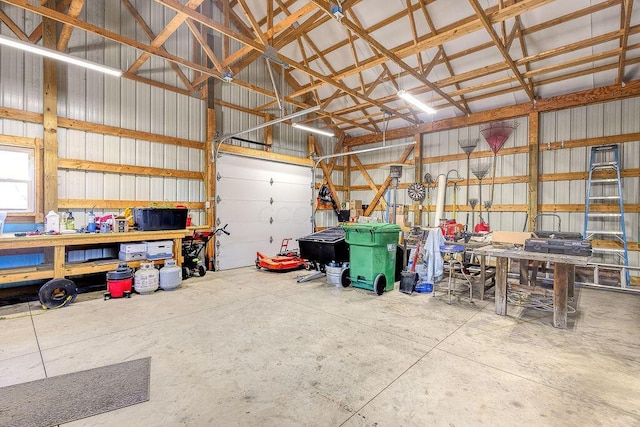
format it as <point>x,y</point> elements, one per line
<point>54,54</point>
<point>415,101</point>
<point>310,129</point>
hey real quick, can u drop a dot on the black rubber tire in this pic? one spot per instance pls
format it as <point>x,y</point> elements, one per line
<point>57,293</point>
<point>106,296</point>
<point>185,273</point>
<point>345,279</point>
<point>380,283</point>
<point>201,270</point>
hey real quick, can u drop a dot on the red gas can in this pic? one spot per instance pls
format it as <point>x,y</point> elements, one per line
<point>119,282</point>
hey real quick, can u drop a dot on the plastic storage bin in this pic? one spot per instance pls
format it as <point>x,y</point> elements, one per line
<point>151,219</point>
<point>372,255</point>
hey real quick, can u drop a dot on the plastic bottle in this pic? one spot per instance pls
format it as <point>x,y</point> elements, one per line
<point>69,225</point>
<point>91,222</point>
<point>52,223</point>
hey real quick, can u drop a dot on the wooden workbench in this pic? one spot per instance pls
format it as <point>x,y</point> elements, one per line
<point>563,277</point>
<point>58,268</point>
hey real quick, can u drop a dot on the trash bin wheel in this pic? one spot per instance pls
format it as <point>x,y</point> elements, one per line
<point>345,280</point>
<point>380,283</point>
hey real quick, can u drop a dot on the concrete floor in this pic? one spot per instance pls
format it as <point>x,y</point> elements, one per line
<point>247,347</point>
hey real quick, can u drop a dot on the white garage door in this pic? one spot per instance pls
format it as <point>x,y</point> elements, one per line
<point>263,202</point>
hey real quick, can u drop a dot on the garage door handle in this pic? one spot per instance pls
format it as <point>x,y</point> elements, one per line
<point>271,220</point>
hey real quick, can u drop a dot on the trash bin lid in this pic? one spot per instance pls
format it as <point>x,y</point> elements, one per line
<point>373,227</point>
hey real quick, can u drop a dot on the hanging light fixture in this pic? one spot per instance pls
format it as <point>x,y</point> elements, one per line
<point>312,129</point>
<point>54,54</point>
<point>415,101</point>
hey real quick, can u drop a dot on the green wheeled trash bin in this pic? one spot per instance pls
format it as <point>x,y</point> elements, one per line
<point>372,255</point>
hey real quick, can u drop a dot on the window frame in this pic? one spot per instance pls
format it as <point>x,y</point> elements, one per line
<point>35,146</point>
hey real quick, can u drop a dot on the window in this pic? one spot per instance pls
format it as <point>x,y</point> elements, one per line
<point>17,179</point>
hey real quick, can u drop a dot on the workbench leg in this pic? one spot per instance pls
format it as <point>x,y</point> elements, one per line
<point>524,272</point>
<point>483,276</point>
<point>561,276</point>
<point>571,280</point>
<point>177,251</point>
<point>58,262</point>
<point>501,285</point>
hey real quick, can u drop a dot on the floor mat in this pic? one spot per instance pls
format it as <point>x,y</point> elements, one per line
<point>74,396</point>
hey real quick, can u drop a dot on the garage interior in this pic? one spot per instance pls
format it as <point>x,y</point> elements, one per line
<point>228,136</point>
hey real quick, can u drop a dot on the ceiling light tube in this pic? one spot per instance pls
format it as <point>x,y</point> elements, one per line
<point>54,54</point>
<point>415,101</point>
<point>314,130</point>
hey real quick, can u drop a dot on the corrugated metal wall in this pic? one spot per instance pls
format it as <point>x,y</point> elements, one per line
<point>599,120</point>
<point>447,143</point>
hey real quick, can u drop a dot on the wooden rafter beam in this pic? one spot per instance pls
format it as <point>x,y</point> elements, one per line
<point>252,20</point>
<point>110,35</point>
<point>36,34</point>
<point>65,33</point>
<point>501,47</point>
<point>591,96</point>
<point>204,45</point>
<point>366,176</point>
<point>164,35</point>
<point>389,55</point>
<point>147,30</point>
<point>626,9</point>
<point>441,52</point>
<point>6,20</point>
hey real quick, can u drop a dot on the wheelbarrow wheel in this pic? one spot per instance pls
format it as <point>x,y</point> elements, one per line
<point>201,270</point>
<point>380,283</point>
<point>185,273</point>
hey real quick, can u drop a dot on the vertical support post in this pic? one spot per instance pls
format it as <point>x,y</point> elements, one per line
<point>50,114</point>
<point>562,275</point>
<point>417,163</point>
<point>501,285</point>
<point>534,167</point>
<point>210,165</point>
<point>346,175</point>
<point>268,133</point>
<point>50,131</point>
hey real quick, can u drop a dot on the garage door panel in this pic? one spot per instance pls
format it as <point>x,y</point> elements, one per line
<point>263,202</point>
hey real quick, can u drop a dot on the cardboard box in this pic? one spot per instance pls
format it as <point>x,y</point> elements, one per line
<point>355,213</point>
<point>355,204</point>
<point>130,248</point>
<point>510,237</point>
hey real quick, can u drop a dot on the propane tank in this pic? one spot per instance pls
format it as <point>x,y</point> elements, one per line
<point>52,223</point>
<point>146,278</point>
<point>170,275</point>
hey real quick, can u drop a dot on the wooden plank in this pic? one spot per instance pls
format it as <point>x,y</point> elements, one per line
<point>501,285</point>
<point>86,165</point>
<point>562,274</point>
<point>65,33</point>
<point>120,204</point>
<point>242,151</point>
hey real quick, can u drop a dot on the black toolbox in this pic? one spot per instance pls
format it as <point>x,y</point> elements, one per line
<point>558,246</point>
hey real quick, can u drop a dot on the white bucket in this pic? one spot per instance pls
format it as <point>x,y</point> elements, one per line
<point>334,274</point>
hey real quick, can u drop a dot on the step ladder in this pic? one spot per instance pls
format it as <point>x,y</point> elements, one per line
<point>608,223</point>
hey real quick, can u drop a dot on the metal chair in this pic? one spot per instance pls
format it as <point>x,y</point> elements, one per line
<point>453,256</point>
